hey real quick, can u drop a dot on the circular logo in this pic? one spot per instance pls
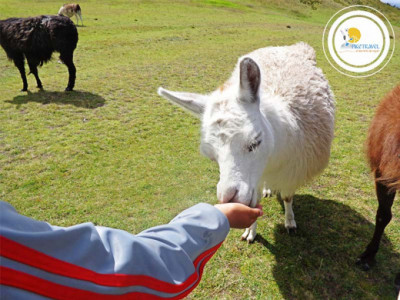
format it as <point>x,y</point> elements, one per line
<point>358,41</point>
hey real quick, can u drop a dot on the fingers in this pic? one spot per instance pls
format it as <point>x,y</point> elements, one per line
<point>256,214</point>
<point>240,215</point>
<point>257,211</point>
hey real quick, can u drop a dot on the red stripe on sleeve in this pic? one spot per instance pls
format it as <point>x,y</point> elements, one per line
<point>34,258</point>
<point>52,290</point>
<point>201,268</point>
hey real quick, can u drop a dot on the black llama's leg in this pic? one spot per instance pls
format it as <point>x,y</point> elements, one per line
<point>33,69</point>
<point>67,59</point>
<point>19,62</point>
<point>383,217</point>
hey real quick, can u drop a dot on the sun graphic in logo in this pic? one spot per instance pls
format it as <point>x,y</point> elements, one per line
<point>351,36</point>
<point>354,35</point>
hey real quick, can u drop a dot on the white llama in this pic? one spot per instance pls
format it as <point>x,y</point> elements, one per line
<point>269,126</point>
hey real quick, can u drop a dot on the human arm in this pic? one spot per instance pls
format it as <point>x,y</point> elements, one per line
<point>87,261</point>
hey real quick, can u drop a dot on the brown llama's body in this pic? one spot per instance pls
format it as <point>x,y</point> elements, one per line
<point>383,150</point>
<point>384,141</point>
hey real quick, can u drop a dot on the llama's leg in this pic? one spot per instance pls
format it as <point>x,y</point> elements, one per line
<point>290,223</point>
<point>397,284</point>
<point>383,217</point>
<point>67,59</point>
<point>250,233</point>
<point>266,192</point>
<point>80,16</point>
<point>33,69</point>
<point>19,62</point>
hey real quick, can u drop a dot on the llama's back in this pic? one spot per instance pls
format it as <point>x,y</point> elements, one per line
<point>383,144</point>
<point>63,32</point>
<point>26,36</point>
<point>305,118</point>
<point>10,30</point>
<point>19,34</point>
<point>290,73</point>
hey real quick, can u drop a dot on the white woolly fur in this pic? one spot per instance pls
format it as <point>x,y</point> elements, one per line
<point>279,141</point>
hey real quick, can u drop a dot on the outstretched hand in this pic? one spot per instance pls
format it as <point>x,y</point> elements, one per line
<point>240,215</point>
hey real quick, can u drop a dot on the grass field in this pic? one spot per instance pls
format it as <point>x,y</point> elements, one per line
<point>114,153</point>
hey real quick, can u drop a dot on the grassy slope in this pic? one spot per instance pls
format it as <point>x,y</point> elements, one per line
<point>114,153</point>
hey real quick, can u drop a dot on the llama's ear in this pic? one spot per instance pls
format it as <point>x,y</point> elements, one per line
<point>194,103</point>
<point>250,78</point>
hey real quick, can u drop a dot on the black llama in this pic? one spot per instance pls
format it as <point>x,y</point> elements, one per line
<point>36,38</point>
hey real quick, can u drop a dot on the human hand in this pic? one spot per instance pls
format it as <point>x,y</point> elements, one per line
<point>240,215</point>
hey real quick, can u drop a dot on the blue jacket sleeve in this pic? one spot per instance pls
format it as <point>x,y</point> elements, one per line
<point>86,261</point>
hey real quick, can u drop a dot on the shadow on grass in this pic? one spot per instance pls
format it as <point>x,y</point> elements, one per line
<point>77,98</point>
<point>318,262</point>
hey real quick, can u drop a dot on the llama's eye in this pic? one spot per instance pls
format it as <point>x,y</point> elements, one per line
<point>253,146</point>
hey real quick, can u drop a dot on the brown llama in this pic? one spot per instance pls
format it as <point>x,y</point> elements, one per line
<point>383,150</point>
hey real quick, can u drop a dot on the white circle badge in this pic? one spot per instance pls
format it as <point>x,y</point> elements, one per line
<point>358,41</point>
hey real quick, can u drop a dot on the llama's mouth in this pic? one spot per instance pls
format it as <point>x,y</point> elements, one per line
<point>249,201</point>
<point>235,197</point>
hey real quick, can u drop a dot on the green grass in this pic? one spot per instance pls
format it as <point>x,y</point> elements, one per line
<point>114,153</point>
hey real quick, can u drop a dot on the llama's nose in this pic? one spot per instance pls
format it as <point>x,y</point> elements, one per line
<point>227,195</point>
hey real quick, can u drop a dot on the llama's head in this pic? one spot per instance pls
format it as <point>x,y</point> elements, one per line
<point>234,133</point>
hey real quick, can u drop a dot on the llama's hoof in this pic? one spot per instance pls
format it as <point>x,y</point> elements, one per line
<point>249,239</point>
<point>291,231</point>
<point>24,90</point>
<point>249,235</point>
<point>40,87</point>
<point>68,89</point>
<point>366,260</point>
<point>266,193</point>
<point>291,226</point>
<point>363,264</point>
<point>252,236</point>
<point>245,234</point>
